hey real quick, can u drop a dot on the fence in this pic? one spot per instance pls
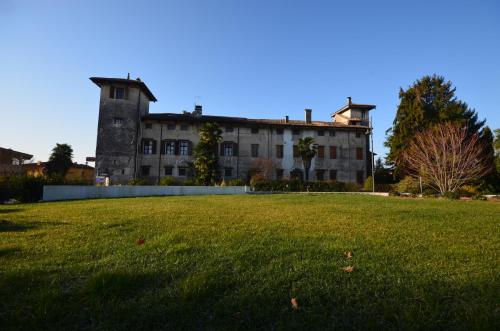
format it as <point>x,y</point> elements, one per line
<point>73,192</point>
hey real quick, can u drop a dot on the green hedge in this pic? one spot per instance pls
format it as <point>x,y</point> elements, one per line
<point>28,188</point>
<point>295,185</point>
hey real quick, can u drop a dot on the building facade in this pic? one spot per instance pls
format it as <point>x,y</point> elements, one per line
<point>133,143</point>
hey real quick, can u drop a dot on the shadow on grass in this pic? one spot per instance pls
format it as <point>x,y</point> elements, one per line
<point>10,210</point>
<point>8,226</point>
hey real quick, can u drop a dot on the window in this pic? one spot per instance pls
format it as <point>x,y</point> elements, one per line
<point>321,133</point>
<point>358,134</point>
<point>227,148</point>
<point>149,126</point>
<point>170,126</point>
<point>169,147</point>
<point>296,132</point>
<point>169,170</point>
<point>320,174</point>
<point>149,146</point>
<point>255,150</point>
<point>279,131</point>
<point>145,170</point>
<point>184,147</point>
<point>255,130</point>
<point>182,171</point>
<point>333,174</point>
<point>332,133</point>
<point>333,152</point>
<point>296,151</point>
<point>279,173</point>
<point>229,129</point>
<point>120,93</point>
<point>279,151</point>
<point>228,172</point>
<point>363,114</point>
<point>115,162</point>
<point>118,121</point>
<point>359,153</point>
<point>123,171</point>
<point>117,92</point>
<point>360,174</point>
<point>184,127</point>
<point>321,152</point>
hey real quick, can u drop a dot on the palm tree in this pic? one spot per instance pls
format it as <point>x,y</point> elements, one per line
<point>307,152</point>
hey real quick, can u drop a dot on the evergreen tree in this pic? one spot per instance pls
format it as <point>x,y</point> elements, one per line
<point>60,160</point>
<point>429,101</point>
<point>205,153</point>
<point>307,152</point>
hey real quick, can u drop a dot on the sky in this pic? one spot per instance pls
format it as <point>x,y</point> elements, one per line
<point>256,59</point>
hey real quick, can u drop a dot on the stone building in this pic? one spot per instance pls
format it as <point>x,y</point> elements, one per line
<point>133,143</point>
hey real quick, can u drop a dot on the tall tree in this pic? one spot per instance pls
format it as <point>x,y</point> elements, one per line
<point>205,153</point>
<point>307,152</point>
<point>496,147</point>
<point>446,156</point>
<point>429,101</point>
<point>60,160</point>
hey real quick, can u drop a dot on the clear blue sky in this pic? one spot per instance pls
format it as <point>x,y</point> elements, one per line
<point>261,59</point>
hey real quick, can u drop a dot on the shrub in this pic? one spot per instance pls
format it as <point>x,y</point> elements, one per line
<point>394,193</point>
<point>137,182</point>
<point>479,197</point>
<point>236,182</point>
<point>352,187</point>
<point>408,185</point>
<point>296,185</point>
<point>26,188</point>
<point>169,181</point>
<point>189,182</point>
<point>368,185</point>
<point>4,191</point>
<point>451,195</point>
<point>467,191</point>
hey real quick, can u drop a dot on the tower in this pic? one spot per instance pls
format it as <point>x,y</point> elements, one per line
<point>123,102</point>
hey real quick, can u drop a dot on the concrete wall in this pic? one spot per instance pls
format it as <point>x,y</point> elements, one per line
<point>71,192</point>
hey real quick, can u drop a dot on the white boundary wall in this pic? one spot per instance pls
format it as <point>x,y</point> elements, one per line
<point>73,192</point>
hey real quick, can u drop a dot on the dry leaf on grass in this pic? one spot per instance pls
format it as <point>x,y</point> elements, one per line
<point>295,304</point>
<point>348,269</point>
<point>348,254</point>
<point>141,241</point>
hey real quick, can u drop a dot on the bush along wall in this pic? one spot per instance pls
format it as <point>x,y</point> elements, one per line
<point>301,186</point>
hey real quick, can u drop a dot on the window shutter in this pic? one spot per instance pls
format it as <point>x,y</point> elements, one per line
<point>190,147</point>
<point>142,146</point>
<point>112,92</point>
<point>154,147</point>
<point>125,96</point>
<point>221,149</point>
<point>177,147</point>
<point>235,149</point>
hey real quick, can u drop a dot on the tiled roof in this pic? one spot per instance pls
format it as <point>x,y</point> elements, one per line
<point>243,120</point>
<point>16,153</point>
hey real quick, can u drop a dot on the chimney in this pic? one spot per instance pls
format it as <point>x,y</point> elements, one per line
<point>197,110</point>
<point>349,101</point>
<point>308,115</point>
<point>286,119</point>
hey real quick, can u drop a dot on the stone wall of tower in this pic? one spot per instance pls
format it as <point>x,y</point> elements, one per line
<point>118,133</point>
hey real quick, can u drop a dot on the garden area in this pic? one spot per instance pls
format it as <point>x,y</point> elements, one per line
<point>250,262</point>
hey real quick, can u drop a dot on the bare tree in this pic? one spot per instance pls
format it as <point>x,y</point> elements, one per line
<point>446,157</point>
<point>261,169</point>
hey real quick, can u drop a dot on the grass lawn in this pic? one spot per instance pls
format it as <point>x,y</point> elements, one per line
<point>235,262</point>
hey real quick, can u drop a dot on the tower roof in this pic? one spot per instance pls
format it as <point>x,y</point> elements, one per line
<point>99,81</point>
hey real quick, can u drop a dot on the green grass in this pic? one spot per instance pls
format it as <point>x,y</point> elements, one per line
<point>234,262</point>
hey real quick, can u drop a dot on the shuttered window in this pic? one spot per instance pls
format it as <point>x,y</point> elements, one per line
<point>333,174</point>
<point>183,147</point>
<point>149,146</point>
<point>279,151</point>
<point>168,147</point>
<point>321,152</point>
<point>255,150</point>
<point>333,152</point>
<point>296,151</point>
<point>359,153</point>
<point>360,176</point>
